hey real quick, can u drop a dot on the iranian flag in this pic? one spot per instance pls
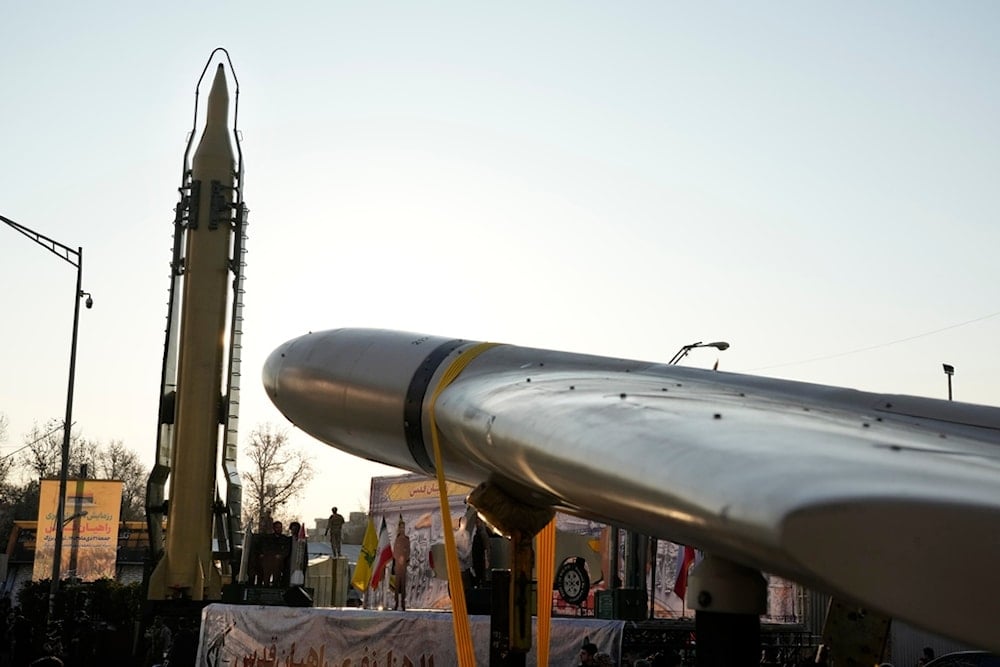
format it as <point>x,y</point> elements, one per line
<point>384,552</point>
<point>681,583</point>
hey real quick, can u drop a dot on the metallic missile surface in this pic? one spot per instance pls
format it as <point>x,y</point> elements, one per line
<point>187,568</point>
<point>862,495</point>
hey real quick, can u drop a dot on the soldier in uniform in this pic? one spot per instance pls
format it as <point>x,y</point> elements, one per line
<point>334,527</point>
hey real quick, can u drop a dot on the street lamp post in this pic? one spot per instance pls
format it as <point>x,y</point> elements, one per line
<point>683,352</point>
<point>949,370</point>
<point>74,258</point>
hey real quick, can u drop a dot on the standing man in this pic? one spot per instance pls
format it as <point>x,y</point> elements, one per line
<point>334,526</point>
<point>400,561</point>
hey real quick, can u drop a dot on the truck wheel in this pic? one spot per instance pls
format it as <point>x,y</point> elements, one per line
<point>572,580</point>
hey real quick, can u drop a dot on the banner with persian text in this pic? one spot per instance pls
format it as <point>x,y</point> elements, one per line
<point>90,529</point>
<point>253,636</point>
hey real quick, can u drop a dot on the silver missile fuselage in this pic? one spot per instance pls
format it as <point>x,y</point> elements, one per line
<point>187,567</point>
<point>858,494</point>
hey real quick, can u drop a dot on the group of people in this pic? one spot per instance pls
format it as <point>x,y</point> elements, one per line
<point>277,528</point>
<point>270,561</point>
<point>278,559</point>
<point>591,656</point>
<point>177,646</point>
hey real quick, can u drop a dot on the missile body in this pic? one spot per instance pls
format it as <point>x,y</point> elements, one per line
<point>187,568</point>
<point>857,494</point>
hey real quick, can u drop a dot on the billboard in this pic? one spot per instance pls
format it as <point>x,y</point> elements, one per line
<point>416,500</point>
<point>90,529</point>
<point>256,635</point>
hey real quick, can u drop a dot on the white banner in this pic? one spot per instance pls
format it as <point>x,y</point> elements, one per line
<point>254,636</point>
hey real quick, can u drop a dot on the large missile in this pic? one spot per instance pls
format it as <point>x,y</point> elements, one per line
<point>865,496</point>
<point>187,568</point>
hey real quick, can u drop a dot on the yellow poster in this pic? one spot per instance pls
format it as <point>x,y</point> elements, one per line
<point>423,488</point>
<point>89,530</point>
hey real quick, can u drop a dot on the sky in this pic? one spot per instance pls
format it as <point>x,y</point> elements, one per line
<point>814,183</point>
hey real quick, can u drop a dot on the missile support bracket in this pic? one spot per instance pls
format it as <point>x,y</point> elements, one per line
<point>192,203</point>
<point>236,260</point>
<point>222,210</point>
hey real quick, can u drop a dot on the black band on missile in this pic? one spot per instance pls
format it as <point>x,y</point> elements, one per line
<point>413,425</point>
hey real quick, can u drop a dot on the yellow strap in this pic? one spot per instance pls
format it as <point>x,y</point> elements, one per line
<point>459,615</point>
<point>545,566</point>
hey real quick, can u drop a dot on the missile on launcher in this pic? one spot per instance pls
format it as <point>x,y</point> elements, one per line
<point>856,494</point>
<point>195,401</point>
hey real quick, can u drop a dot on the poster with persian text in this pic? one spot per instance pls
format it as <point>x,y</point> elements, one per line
<point>89,530</point>
<point>255,636</point>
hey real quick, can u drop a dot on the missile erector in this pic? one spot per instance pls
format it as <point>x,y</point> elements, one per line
<point>860,495</point>
<point>200,385</point>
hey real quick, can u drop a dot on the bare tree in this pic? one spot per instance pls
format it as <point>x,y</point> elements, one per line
<point>42,457</point>
<point>7,461</point>
<point>83,452</point>
<point>44,450</point>
<point>279,472</point>
<point>116,461</point>
<point>9,492</point>
<point>38,457</point>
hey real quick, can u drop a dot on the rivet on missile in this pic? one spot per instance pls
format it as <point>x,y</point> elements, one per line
<point>865,424</point>
<point>621,396</point>
<point>717,416</point>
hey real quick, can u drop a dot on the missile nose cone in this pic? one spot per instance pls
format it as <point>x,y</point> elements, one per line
<point>351,388</point>
<point>218,100</point>
<point>213,159</point>
<point>272,372</point>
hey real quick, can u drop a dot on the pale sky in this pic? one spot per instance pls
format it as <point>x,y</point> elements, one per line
<point>815,183</point>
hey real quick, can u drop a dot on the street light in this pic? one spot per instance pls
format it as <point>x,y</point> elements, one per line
<point>683,352</point>
<point>75,258</point>
<point>949,370</point>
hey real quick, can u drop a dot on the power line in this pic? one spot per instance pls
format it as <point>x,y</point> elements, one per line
<point>874,347</point>
<point>35,441</point>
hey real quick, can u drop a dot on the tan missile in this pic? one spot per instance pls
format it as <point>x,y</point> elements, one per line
<point>187,569</point>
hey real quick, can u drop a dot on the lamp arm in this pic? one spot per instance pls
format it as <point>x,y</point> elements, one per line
<point>61,251</point>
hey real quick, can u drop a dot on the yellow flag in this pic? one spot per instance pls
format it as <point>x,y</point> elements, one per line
<point>363,568</point>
